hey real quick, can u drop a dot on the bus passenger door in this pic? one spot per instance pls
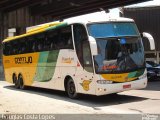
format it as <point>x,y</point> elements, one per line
<point>84,75</point>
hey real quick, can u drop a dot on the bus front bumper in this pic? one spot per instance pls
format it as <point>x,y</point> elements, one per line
<point>104,89</point>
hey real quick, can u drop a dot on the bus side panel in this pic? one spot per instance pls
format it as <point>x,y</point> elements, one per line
<point>46,66</point>
<point>70,66</point>
<point>48,73</point>
<point>67,65</point>
<point>24,64</point>
<point>64,63</point>
<point>61,63</point>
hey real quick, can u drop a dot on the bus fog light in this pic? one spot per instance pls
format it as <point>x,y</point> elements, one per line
<point>100,89</point>
<point>104,81</point>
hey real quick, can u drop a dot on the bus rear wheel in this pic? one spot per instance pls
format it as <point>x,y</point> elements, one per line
<point>71,89</point>
<point>21,82</point>
<point>15,81</point>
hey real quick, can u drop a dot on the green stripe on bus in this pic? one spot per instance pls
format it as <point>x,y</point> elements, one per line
<point>46,66</point>
<point>57,26</point>
<point>136,73</point>
<point>140,72</point>
<point>132,74</point>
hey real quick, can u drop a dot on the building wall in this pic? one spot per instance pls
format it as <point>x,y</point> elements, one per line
<point>147,20</point>
<point>19,19</point>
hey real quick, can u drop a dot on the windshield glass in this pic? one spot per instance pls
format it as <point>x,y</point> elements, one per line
<point>114,56</point>
<point>103,30</point>
<point>120,48</point>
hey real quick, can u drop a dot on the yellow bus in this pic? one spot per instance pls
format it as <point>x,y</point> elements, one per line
<point>90,57</point>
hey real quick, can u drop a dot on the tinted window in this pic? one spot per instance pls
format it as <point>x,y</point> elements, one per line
<point>11,48</point>
<point>60,39</point>
<point>40,42</point>
<point>66,38</point>
<point>52,40</point>
<point>32,44</point>
<point>87,58</point>
<point>80,35</point>
<point>82,47</point>
<point>6,48</point>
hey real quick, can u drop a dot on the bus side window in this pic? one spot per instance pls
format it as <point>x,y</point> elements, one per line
<point>8,48</point>
<point>48,41</point>
<point>80,35</point>
<point>14,47</point>
<point>20,46</point>
<point>45,43</point>
<point>28,45</point>
<point>24,45</point>
<point>5,48</point>
<point>52,37</point>
<point>32,46</point>
<point>66,38</point>
<point>40,38</point>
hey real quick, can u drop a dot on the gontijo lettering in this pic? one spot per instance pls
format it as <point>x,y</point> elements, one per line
<point>23,60</point>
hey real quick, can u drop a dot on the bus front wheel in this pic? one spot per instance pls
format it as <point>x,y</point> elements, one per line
<point>71,89</point>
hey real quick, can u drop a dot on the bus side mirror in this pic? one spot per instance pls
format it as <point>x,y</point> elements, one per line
<point>151,40</point>
<point>93,45</point>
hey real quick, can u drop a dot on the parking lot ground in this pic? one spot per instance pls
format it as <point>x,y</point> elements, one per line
<point>38,100</point>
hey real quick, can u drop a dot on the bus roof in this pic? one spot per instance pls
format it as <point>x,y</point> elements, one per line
<point>86,20</point>
<point>38,29</point>
<point>54,25</point>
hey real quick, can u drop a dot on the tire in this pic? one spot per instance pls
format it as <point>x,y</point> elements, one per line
<point>14,78</point>
<point>21,82</point>
<point>15,81</point>
<point>114,94</point>
<point>71,89</point>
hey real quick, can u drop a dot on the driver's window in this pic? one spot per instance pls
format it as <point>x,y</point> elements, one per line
<point>87,59</point>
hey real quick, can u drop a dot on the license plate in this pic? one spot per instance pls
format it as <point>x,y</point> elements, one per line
<point>127,86</point>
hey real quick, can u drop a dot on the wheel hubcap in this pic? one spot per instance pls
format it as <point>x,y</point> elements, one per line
<point>71,88</point>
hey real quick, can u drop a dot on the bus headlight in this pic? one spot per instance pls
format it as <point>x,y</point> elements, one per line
<point>143,76</point>
<point>104,82</point>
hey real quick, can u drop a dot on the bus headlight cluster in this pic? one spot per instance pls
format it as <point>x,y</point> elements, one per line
<point>104,81</point>
<point>143,76</point>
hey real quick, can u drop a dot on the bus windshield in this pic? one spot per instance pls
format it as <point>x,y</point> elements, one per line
<point>119,50</point>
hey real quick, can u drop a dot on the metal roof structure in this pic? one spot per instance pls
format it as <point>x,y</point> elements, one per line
<point>63,8</point>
